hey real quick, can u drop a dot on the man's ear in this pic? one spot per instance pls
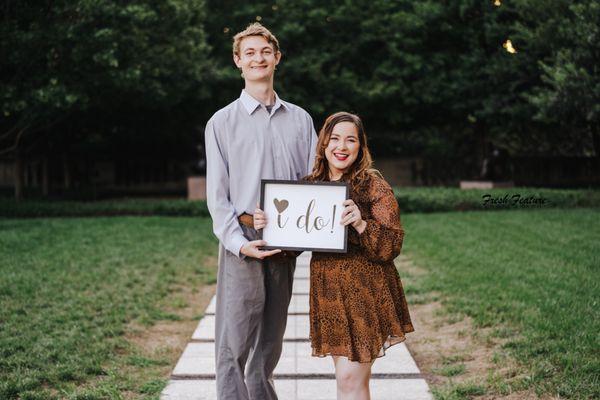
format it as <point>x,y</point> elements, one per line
<point>277,57</point>
<point>237,61</point>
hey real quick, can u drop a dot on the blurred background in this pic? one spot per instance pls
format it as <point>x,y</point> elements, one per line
<point>102,99</point>
<point>106,267</point>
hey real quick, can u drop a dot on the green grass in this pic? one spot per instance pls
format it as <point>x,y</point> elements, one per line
<point>534,276</point>
<point>68,289</point>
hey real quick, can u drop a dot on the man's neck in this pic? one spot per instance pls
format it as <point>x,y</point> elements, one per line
<point>261,91</point>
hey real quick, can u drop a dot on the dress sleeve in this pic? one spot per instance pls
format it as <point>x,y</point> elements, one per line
<point>382,238</point>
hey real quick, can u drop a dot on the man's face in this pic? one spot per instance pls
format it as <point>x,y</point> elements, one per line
<point>257,58</point>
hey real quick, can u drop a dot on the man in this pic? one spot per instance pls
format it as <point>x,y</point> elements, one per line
<point>258,136</point>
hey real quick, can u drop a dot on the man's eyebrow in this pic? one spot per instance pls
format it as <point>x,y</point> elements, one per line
<point>262,48</point>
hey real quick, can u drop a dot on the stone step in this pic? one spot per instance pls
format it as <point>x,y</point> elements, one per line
<point>299,304</point>
<point>301,273</point>
<point>297,329</point>
<point>198,362</point>
<point>301,286</point>
<point>305,389</point>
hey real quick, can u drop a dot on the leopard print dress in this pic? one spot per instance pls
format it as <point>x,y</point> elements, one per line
<point>357,304</point>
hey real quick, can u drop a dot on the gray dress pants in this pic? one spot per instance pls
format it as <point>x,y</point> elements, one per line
<point>251,315</point>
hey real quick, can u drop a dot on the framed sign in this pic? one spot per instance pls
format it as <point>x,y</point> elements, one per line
<point>303,215</point>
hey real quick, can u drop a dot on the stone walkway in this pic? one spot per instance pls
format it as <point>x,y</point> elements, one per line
<point>298,376</point>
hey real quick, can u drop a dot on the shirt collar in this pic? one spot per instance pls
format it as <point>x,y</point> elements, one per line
<point>251,104</point>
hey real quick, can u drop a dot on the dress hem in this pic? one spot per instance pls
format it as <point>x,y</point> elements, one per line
<point>382,350</point>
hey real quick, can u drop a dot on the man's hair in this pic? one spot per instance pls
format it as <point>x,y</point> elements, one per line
<point>254,29</point>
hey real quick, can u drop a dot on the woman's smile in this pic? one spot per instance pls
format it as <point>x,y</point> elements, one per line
<point>341,156</point>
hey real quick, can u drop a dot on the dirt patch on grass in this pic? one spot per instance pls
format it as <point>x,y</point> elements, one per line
<point>169,338</point>
<point>145,363</point>
<point>458,360</point>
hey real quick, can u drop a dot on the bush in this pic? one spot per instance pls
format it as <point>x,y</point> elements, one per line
<point>436,199</point>
<point>37,208</point>
<point>431,199</point>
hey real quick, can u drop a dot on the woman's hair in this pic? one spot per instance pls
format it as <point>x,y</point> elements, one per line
<point>361,168</point>
<point>254,29</point>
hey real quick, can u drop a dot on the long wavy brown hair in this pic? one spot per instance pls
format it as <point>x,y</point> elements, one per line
<point>360,169</point>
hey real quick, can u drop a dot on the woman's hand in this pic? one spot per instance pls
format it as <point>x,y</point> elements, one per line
<point>352,216</point>
<point>260,218</point>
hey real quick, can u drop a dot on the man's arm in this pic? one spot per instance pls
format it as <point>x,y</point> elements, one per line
<point>312,143</point>
<point>225,222</point>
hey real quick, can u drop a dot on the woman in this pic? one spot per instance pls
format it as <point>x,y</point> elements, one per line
<point>357,304</point>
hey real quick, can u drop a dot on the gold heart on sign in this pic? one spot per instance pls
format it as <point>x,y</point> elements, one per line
<point>280,205</point>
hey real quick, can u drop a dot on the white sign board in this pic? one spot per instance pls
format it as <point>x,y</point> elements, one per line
<point>304,215</point>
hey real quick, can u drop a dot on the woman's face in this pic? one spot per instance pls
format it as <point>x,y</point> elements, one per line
<point>343,147</point>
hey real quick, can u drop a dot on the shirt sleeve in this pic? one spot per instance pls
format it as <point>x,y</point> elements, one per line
<point>382,238</point>
<point>312,145</point>
<point>225,221</point>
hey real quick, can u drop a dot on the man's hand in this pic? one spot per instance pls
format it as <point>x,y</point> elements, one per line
<point>251,249</point>
<point>259,218</point>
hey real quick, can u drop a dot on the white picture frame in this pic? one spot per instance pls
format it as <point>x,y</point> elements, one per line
<point>304,216</point>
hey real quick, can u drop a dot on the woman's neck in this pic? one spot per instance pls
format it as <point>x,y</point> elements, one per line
<point>335,175</point>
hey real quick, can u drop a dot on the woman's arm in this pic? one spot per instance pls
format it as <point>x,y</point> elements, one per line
<point>383,234</point>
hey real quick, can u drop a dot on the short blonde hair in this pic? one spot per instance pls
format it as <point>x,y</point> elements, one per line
<point>254,29</point>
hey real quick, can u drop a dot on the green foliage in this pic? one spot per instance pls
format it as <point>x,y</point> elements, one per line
<point>96,64</point>
<point>432,77</point>
<point>569,97</point>
<point>439,199</point>
<point>429,78</point>
<point>32,208</point>
<point>410,200</point>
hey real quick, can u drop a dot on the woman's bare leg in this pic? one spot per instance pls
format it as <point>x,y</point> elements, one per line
<point>352,379</point>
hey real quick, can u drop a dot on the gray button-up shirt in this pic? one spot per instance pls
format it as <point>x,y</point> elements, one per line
<point>244,144</point>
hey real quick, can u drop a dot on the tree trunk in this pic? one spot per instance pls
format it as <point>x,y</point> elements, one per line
<point>596,141</point>
<point>66,172</point>
<point>482,152</point>
<point>45,183</point>
<point>18,175</point>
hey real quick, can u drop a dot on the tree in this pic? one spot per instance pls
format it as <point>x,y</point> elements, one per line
<point>66,58</point>
<point>569,96</point>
